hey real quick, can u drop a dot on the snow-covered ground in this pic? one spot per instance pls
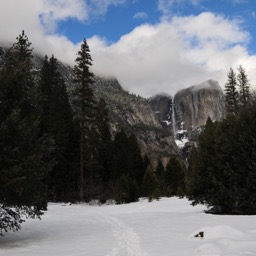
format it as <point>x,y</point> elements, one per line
<point>161,228</point>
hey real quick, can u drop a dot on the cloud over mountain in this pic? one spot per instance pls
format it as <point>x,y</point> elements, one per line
<point>171,54</point>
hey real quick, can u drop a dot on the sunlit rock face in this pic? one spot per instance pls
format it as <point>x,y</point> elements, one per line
<point>195,104</point>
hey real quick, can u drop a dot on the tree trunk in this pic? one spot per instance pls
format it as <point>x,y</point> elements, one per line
<point>82,167</point>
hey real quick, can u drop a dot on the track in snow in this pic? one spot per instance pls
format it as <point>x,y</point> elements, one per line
<point>128,242</point>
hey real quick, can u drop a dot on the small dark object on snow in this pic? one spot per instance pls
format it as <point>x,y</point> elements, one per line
<point>200,234</point>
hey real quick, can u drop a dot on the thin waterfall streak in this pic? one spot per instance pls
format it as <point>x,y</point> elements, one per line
<point>173,118</point>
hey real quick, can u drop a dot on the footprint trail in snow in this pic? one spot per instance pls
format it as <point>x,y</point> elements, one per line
<point>128,242</point>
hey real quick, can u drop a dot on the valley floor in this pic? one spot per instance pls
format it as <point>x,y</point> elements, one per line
<point>160,228</point>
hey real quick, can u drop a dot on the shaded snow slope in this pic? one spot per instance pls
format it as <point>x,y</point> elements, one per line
<point>161,228</point>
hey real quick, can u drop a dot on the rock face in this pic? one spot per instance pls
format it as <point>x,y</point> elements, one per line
<point>188,111</point>
<point>134,114</point>
<point>195,104</point>
<point>162,106</point>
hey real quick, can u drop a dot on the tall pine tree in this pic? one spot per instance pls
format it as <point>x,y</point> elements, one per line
<point>85,104</point>
<point>25,154</point>
<point>231,93</point>
<point>174,177</point>
<point>57,122</point>
<point>105,142</point>
<point>244,87</point>
<point>224,174</point>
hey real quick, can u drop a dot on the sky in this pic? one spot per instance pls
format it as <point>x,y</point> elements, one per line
<point>150,46</point>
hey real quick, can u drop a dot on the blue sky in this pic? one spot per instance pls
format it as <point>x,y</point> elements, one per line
<point>150,46</point>
<point>122,17</point>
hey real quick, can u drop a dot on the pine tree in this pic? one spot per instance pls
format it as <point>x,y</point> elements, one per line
<point>120,157</point>
<point>149,184</point>
<point>57,122</point>
<point>136,162</point>
<point>160,172</point>
<point>231,93</point>
<point>203,164</point>
<point>105,142</point>
<point>85,104</point>
<point>25,155</point>
<point>127,190</point>
<point>224,170</point>
<point>174,177</point>
<point>192,175</point>
<point>244,87</point>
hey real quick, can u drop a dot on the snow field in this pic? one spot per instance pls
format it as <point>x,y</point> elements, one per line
<point>161,228</point>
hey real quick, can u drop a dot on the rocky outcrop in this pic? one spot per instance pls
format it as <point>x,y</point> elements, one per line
<point>195,104</point>
<point>134,114</point>
<point>187,112</point>
<point>162,106</point>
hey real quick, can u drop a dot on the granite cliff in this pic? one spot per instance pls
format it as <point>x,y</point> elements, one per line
<point>188,110</point>
<point>190,107</point>
<point>195,104</point>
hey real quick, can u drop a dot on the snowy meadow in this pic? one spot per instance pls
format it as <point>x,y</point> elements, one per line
<point>160,228</point>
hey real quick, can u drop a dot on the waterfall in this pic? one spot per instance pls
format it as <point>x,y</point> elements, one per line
<point>173,118</point>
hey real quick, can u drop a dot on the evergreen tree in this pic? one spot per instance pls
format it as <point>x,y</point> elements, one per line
<point>244,87</point>
<point>146,162</point>
<point>105,142</point>
<point>127,190</point>
<point>127,162</point>
<point>120,156</point>
<point>57,122</point>
<point>136,161</point>
<point>202,164</point>
<point>225,173</point>
<point>231,93</point>
<point>192,175</point>
<point>149,184</point>
<point>84,102</point>
<point>174,177</point>
<point>25,154</point>
<point>160,174</point>
<point>159,168</point>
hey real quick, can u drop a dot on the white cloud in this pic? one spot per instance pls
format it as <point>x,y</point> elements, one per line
<point>140,15</point>
<point>52,11</point>
<point>176,54</point>
<point>150,59</point>
<point>40,18</point>
<point>167,6</point>
<point>100,7</point>
<point>208,27</point>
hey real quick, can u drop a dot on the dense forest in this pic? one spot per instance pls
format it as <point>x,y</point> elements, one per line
<point>57,146</point>
<point>221,172</point>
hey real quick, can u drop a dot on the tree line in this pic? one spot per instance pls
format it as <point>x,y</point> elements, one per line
<point>221,172</point>
<point>56,146</point>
